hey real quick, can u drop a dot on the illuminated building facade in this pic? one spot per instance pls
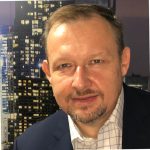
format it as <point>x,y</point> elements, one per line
<point>5,74</point>
<point>6,67</point>
<point>35,102</point>
<point>32,98</point>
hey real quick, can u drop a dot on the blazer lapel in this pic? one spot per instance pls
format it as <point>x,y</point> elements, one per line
<point>64,143</point>
<point>61,135</point>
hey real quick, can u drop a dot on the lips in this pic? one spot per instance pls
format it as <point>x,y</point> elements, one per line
<point>85,99</point>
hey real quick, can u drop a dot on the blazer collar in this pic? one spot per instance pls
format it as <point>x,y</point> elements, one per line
<point>60,133</point>
<point>64,143</point>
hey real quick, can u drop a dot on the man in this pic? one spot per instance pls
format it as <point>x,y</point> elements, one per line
<point>86,63</point>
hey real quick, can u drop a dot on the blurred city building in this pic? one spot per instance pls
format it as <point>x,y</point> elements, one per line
<point>32,97</point>
<point>5,74</point>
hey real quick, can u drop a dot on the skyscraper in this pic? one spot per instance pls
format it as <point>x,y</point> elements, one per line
<point>32,98</point>
<point>5,71</point>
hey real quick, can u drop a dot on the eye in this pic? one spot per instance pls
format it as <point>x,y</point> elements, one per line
<point>96,61</point>
<point>64,66</point>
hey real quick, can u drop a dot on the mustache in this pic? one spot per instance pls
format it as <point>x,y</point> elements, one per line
<point>86,92</point>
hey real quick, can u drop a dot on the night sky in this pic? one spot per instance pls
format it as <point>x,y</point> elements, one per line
<point>7,12</point>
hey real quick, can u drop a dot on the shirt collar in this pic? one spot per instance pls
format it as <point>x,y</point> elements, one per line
<point>116,118</point>
<point>117,114</point>
<point>74,131</point>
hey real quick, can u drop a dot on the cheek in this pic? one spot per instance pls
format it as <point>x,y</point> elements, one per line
<point>109,82</point>
<point>61,87</point>
<point>103,78</point>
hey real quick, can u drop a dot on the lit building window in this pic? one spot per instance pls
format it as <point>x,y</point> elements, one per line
<point>52,5</point>
<point>19,84</point>
<point>34,5</point>
<point>26,21</point>
<point>44,18</point>
<point>24,84</point>
<point>20,114</point>
<point>15,37</point>
<point>35,84</point>
<point>29,81</point>
<point>19,94</point>
<point>30,13</point>
<point>22,59</point>
<point>22,52</point>
<point>40,2</point>
<point>29,2</point>
<point>35,107</point>
<point>24,81</point>
<point>27,41</point>
<point>29,88</point>
<point>40,6</point>
<point>22,21</point>
<point>36,70</point>
<point>29,94</point>
<point>15,45</point>
<point>20,107</point>
<point>27,49</point>
<point>35,101</point>
<point>36,115</point>
<point>20,130</point>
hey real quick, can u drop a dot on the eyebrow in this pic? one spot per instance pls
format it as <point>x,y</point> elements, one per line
<point>67,57</point>
<point>102,53</point>
<point>59,60</point>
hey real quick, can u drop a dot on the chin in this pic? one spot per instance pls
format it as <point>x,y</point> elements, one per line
<point>88,116</point>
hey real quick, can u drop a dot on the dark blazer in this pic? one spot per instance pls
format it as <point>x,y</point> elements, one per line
<point>53,132</point>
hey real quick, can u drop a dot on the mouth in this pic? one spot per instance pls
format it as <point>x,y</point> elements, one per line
<point>85,99</point>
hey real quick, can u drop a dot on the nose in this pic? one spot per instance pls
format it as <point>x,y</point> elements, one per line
<point>81,80</point>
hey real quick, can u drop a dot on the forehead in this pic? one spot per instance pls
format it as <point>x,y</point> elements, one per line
<point>94,25</point>
<point>84,19</point>
<point>81,39</point>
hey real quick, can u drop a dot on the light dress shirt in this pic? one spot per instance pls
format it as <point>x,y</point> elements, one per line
<point>109,136</point>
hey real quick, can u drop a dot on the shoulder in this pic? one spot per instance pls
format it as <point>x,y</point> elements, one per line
<point>136,118</point>
<point>48,123</point>
<point>136,93</point>
<point>43,133</point>
<point>136,99</point>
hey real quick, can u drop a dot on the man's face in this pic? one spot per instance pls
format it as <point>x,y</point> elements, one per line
<point>85,69</point>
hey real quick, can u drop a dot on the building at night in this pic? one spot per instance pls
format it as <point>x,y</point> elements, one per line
<point>5,72</point>
<point>32,98</point>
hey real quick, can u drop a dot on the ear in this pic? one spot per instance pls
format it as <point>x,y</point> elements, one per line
<point>125,60</point>
<point>46,69</point>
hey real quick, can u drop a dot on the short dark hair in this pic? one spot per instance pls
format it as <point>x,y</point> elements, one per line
<point>74,12</point>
